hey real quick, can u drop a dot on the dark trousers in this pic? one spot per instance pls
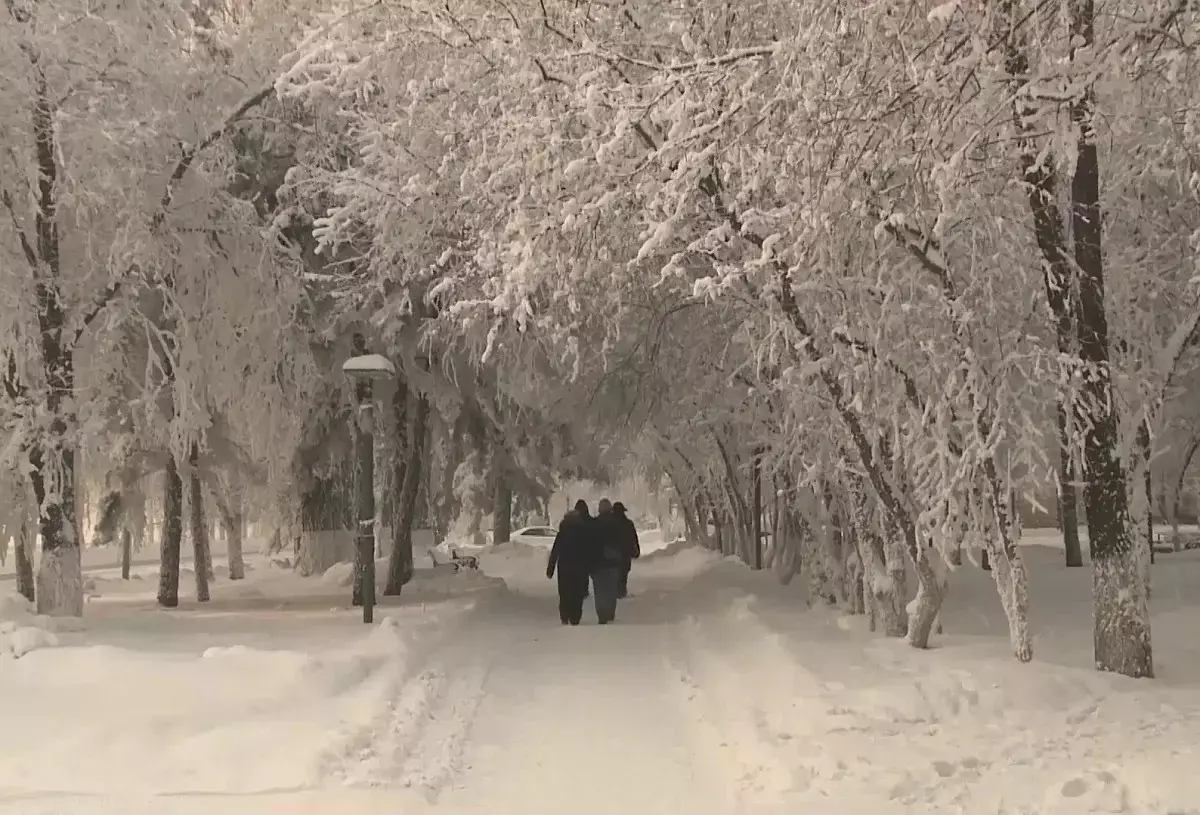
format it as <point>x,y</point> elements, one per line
<point>604,586</point>
<point>571,590</point>
<point>623,581</point>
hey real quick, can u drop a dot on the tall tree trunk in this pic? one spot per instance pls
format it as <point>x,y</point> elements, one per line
<point>1146,448</point>
<point>1068,493</point>
<point>1041,182</point>
<point>756,510</point>
<point>775,516</point>
<point>502,504</point>
<point>399,450</point>
<point>400,562</point>
<point>1121,616</point>
<point>233,523</point>
<point>201,553</point>
<point>172,536</point>
<point>24,564</point>
<point>52,460</point>
<point>126,552</point>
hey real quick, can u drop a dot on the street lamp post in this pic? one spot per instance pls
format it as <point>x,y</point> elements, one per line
<point>363,370</point>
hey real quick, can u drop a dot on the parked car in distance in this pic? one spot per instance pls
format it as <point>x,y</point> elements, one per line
<point>535,536</point>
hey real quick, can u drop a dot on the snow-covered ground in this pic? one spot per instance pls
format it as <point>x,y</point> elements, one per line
<point>716,692</point>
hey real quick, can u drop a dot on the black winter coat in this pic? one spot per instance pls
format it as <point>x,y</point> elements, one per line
<point>619,540</point>
<point>575,546</point>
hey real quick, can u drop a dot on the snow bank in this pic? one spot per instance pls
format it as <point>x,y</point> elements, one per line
<point>339,574</point>
<point>810,707</point>
<point>21,629</point>
<point>678,561</point>
<point>214,718</point>
<point>270,687</point>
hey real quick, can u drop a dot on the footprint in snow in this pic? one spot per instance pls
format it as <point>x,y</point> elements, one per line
<point>944,768</point>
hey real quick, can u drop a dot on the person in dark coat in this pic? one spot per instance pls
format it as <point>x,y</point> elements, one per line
<point>606,574</point>
<point>626,534</point>
<point>573,555</point>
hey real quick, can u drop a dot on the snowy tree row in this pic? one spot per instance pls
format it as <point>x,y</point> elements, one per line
<point>890,265</point>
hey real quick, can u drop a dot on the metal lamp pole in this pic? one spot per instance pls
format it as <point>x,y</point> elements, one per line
<point>363,369</point>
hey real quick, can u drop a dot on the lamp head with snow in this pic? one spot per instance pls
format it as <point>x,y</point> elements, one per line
<point>371,367</point>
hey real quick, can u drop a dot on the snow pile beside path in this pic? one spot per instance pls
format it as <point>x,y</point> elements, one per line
<point>21,629</point>
<point>677,562</point>
<point>839,714</point>
<point>340,575</point>
<point>188,714</point>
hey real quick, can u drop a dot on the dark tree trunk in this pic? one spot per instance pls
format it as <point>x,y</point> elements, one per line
<point>126,552</point>
<point>1147,451</point>
<point>502,504</point>
<point>1121,621</point>
<point>24,564</point>
<point>60,574</point>
<point>172,536</point>
<point>1039,174</point>
<point>400,442</point>
<point>201,554</point>
<point>1068,494</point>
<point>400,563</point>
<point>776,504</point>
<point>756,510</point>
<point>232,523</point>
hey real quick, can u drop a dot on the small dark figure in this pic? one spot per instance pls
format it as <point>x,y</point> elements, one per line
<point>572,555</point>
<point>606,574</point>
<point>626,534</point>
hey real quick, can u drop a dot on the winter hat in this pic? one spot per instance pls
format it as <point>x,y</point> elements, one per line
<point>604,506</point>
<point>581,507</point>
<point>618,507</point>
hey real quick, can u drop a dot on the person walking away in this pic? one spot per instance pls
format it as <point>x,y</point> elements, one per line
<point>606,574</point>
<point>626,535</point>
<point>572,555</point>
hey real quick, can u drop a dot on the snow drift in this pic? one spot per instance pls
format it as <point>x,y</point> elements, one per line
<point>21,629</point>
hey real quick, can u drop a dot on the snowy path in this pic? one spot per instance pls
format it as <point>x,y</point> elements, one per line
<point>588,720</point>
<point>716,692</point>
